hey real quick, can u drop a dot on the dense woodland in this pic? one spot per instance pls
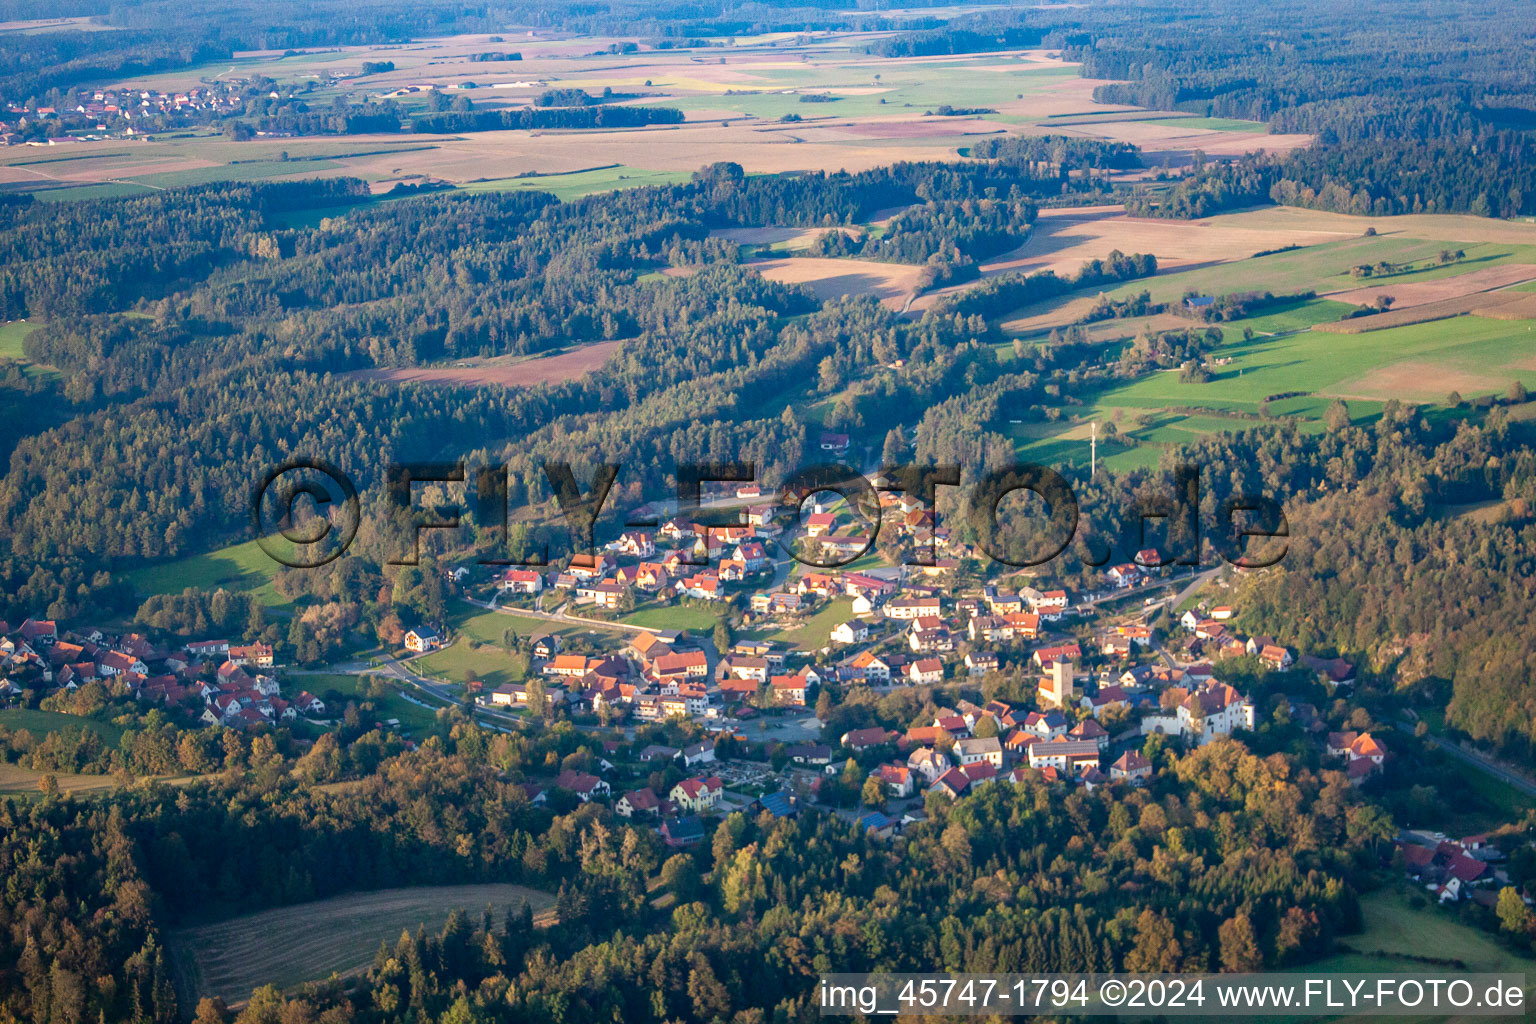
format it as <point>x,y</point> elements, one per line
<point>1238,863</point>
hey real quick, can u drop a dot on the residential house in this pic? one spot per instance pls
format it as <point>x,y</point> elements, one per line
<point>1046,724</point>
<point>874,668</point>
<point>952,783</point>
<point>521,581</point>
<point>1133,766</point>
<point>638,802</point>
<point>859,740</point>
<point>586,787</point>
<point>980,662</point>
<point>697,794</point>
<point>898,779</point>
<point>789,689</point>
<point>926,671</point>
<point>912,608</point>
<point>928,762</point>
<point>988,749</point>
<point>685,831</point>
<point>851,632</point>
<point>1089,729</point>
<point>423,639</point>
<point>1071,757</point>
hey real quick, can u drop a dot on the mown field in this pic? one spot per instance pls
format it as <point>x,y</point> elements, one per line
<point>663,616</point>
<point>1422,362</point>
<point>1419,363</point>
<point>12,336</point>
<point>238,567</point>
<point>815,632</point>
<point>488,662</point>
<point>18,781</point>
<point>311,941</point>
<point>1398,936</point>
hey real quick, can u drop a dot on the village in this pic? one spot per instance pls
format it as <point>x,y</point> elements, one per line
<point>1097,683</point>
<point>1001,676</point>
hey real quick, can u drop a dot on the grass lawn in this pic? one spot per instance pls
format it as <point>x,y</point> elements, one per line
<point>664,616</point>
<point>12,335</point>
<point>40,723</point>
<point>815,632</point>
<point>1485,353</point>
<point>489,662</point>
<point>1395,930</point>
<point>239,567</point>
<point>337,689</point>
<point>576,184</point>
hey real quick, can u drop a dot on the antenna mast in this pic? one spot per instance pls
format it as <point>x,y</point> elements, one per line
<point>1093,451</point>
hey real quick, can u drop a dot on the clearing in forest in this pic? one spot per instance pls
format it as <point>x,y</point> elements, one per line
<point>311,941</point>
<point>570,365</point>
<point>891,283</point>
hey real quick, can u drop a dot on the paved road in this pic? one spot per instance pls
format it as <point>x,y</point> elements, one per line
<point>558,615</point>
<point>1482,762</point>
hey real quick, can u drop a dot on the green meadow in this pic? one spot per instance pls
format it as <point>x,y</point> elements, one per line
<point>13,335</point>
<point>906,88</point>
<point>1419,362</point>
<point>1325,268</point>
<point>239,567</point>
<point>673,616</point>
<point>1219,124</point>
<point>337,690</point>
<point>40,723</point>
<point>1398,935</point>
<point>490,663</point>
<point>576,184</point>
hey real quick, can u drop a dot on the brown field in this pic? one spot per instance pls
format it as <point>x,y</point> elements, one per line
<point>713,131</point>
<point>1443,310</point>
<point>311,941</point>
<point>1179,143</point>
<point>1417,293</point>
<point>892,283</point>
<point>1436,227</point>
<point>18,780</point>
<point>1513,306</point>
<point>1064,239</point>
<point>1416,381</point>
<point>525,373</point>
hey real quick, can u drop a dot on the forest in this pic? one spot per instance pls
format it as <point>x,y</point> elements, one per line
<point>1239,862</point>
